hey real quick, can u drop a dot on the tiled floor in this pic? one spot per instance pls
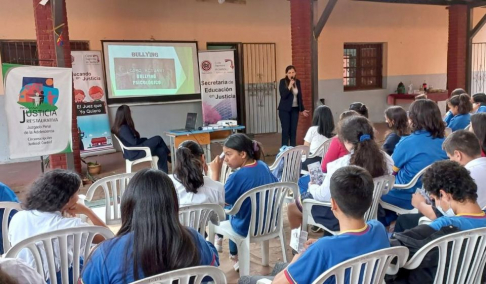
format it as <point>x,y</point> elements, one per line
<point>19,176</point>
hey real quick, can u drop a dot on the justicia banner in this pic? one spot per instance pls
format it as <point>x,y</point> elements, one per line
<point>90,100</point>
<point>218,87</point>
<point>38,105</point>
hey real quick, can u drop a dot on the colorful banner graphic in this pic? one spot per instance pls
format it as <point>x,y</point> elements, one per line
<point>218,88</point>
<point>38,105</point>
<point>89,97</point>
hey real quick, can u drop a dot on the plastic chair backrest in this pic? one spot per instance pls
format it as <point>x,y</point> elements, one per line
<point>266,207</point>
<point>7,207</point>
<point>413,181</point>
<point>225,173</point>
<point>198,216</point>
<point>324,147</point>
<point>82,238</point>
<point>122,146</point>
<point>184,275</point>
<point>382,185</point>
<point>113,187</point>
<point>292,163</point>
<point>370,267</point>
<point>465,261</point>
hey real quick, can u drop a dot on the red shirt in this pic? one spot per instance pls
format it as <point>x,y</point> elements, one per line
<point>336,151</point>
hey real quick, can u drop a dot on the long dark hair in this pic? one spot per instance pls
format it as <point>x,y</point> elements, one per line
<point>425,115</point>
<point>124,117</point>
<point>359,108</point>
<point>287,69</point>
<point>324,121</point>
<point>479,98</point>
<point>358,131</point>
<point>462,101</point>
<point>188,168</point>
<point>52,191</point>
<point>242,143</point>
<point>478,123</point>
<point>398,116</point>
<point>150,210</point>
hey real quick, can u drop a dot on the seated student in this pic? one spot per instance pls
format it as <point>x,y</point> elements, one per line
<point>415,152</point>
<point>18,272</point>
<point>357,134</point>
<point>320,131</point>
<point>124,128</point>
<point>478,127</point>
<point>151,239</point>
<point>242,153</point>
<point>462,147</point>
<point>478,103</point>
<point>397,120</point>
<point>453,191</point>
<point>458,117</point>
<point>6,195</point>
<point>421,97</point>
<point>52,194</point>
<point>351,196</point>
<point>359,108</point>
<point>191,185</point>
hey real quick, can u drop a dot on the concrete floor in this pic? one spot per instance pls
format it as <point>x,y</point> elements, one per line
<point>19,176</point>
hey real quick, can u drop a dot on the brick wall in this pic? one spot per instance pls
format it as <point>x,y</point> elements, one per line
<point>457,47</point>
<point>46,47</point>
<point>301,33</point>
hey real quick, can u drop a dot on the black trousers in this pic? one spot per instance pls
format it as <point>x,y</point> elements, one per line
<point>158,148</point>
<point>289,121</point>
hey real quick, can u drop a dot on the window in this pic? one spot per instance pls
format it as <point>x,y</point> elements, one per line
<point>25,51</point>
<point>362,66</point>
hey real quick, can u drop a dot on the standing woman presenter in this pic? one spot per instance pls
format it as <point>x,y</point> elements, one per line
<point>290,106</point>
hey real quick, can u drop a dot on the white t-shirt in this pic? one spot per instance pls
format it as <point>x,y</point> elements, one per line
<point>477,167</point>
<point>20,271</point>
<point>323,192</point>
<point>315,139</point>
<point>210,192</point>
<point>29,223</point>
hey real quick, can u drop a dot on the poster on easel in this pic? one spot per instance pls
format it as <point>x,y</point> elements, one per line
<point>218,87</point>
<point>38,105</point>
<point>90,100</point>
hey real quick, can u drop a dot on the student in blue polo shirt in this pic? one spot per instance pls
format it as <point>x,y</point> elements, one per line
<point>458,117</point>
<point>351,196</point>
<point>240,152</point>
<point>455,195</point>
<point>478,103</point>
<point>6,195</point>
<point>151,239</point>
<point>415,152</point>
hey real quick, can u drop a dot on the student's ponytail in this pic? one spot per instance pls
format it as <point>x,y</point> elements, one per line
<point>242,143</point>
<point>358,131</point>
<point>463,102</point>
<point>188,168</point>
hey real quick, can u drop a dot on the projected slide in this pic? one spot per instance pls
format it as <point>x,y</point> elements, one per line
<point>155,70</point>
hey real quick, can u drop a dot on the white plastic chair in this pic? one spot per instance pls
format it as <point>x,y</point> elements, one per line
<point>292,163</point>
<point>324,147</point>
<point>7,207</point>
<point>411,184</point>
<point>382,185</point>
<point>148,156</point>
<point>46,245</point>
<point>466,267</point>
<point>198,216</point>
<point>113,187</point>
<point>182,276</point>
<point>268,213</point>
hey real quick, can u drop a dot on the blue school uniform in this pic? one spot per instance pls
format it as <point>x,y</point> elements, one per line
<point>481,109</point>
<point>391,142</point>
<point>329,251</point>
<point>411,155</point>
<point>241,181</point>
<point>462,222</point>
<point>457,122</point>
<point>6,195</point>
<point>107,263</point>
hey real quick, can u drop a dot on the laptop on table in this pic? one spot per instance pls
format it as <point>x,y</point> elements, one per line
<point>190,123</point>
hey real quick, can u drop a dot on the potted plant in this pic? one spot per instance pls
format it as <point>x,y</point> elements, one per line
<point>94,168</point>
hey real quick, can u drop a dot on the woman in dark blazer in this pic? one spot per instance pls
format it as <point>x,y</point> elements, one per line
<point>290,105</point>
<point>124,128</point>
